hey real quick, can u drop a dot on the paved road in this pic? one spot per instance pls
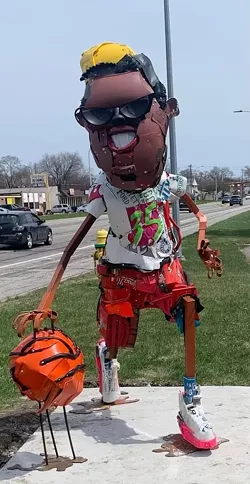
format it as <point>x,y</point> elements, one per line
<point>22,271</point>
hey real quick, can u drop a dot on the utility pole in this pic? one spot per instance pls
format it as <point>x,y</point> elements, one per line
<point>242,182</point>
<point>190,179</point>
<point>90,175</point>
<point>216,188</point>
<point>170,87</point>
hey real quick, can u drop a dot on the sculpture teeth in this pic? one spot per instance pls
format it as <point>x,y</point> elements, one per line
<point>121,140</point>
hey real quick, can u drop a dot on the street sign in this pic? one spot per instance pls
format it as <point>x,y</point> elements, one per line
<point>38,180</point>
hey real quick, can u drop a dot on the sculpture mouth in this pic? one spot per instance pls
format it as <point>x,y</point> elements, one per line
<point>128,178</point>
<point>122,138</point>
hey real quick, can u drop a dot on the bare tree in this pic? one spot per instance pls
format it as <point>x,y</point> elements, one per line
<point>9,169</point>
<point>23,176</point>
<point>185,173</point>
<point>247,172</point>
<point>217,179</point>
<point>62,167</point>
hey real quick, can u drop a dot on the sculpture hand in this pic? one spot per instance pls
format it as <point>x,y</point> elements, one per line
<point>36,317</point>
<point>210,258</point>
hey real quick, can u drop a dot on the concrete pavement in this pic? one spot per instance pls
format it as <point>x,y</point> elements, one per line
<point>22,271</point>
<point>118,443</point>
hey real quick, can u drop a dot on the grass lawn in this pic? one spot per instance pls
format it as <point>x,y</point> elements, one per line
<point>201,202</point>
<point>223,339</point>
<point>57,216</point>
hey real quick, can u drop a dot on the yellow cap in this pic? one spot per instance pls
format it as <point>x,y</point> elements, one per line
<point>101,237</point>
<point>107,52</point>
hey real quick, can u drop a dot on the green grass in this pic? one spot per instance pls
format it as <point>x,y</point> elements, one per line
<point>57,216</point>
<point>223,339</point>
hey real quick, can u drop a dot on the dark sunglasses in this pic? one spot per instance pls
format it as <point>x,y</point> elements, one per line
<point>101,116</point>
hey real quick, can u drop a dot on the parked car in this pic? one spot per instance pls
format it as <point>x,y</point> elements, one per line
<point>225,199</point>
<point>236,200</point>
<point>183,207</point>
<point>3,210</point>
<point>14,206</point>
<point>82,208</point>
<point>23,230</point>
<point>247,197</point>
<point>60,208</point>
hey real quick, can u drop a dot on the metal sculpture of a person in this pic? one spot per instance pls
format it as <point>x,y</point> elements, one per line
<point>126,113</point>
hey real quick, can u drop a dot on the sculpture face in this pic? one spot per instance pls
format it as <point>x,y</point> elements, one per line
<point>127,128</point>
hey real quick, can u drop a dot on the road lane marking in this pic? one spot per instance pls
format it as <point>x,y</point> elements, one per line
<point>42,258</point>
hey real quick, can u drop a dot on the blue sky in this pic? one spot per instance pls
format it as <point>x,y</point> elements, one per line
<point>41,43</point>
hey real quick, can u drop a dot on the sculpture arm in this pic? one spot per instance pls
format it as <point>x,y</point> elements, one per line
<point>69,250</point>
<point>208,256</point>
<point>202,219</point>
<point>43,311</point>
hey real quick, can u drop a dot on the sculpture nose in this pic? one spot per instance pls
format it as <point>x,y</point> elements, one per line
<point>118,119</point>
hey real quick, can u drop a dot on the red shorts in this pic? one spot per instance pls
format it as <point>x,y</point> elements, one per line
<point>124,292</point>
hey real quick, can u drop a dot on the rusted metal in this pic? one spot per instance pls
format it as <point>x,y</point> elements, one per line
<point>60,464</point>
<point>175,446</point>
<point>43,311</point>
<point>189,336</point>
<point>97,405</point>
<point>209,256</point>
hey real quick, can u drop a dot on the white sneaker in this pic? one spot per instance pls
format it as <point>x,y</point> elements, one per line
<point>194,424</point>
<point>108,374</point>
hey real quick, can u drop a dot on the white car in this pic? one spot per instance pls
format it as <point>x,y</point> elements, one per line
<point>247,197</point>
<point>60,208</point>
<point>82,208</point>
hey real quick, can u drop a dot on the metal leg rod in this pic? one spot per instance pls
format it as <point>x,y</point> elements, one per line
<point>68,432</point>
<point>189,335</point>
<point>43,437</point>
<point>52,433</point>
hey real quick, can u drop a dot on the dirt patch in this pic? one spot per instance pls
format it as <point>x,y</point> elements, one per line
<point>15,428</point>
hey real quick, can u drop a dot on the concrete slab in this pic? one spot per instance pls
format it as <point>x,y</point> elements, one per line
<point>119,442</point>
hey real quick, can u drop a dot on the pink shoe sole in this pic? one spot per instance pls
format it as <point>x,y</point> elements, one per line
<point>189,437</point>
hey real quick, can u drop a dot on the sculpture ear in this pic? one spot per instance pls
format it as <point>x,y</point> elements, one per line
<point>172,107</point>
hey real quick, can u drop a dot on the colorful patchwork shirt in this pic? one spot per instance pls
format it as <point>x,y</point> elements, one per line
<point>138,235</point>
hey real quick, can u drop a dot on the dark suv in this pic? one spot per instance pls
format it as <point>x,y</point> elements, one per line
<point>236,200</point>
<point>23,229</point>
<point>183,207</point>
<point>225,199</point>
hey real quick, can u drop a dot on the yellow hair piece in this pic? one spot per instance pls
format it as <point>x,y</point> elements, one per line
<point>107,52</point>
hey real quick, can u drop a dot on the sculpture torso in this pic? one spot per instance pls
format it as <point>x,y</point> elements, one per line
<point>138,233</point>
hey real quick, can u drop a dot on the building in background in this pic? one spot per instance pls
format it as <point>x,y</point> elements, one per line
<point>38,198</point>
<point>42,197</point>
<point>73,196</point>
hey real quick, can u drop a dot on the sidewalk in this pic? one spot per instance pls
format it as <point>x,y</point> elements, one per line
<point>118,443</point>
